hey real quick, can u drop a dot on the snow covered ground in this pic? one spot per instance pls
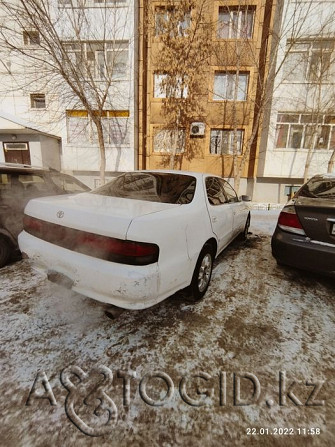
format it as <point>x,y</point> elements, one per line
<point>251,363</point>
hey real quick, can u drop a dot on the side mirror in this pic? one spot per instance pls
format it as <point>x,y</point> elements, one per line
<point>245,198</point>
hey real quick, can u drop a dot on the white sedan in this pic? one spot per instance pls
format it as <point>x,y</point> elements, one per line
<point>138,239</point>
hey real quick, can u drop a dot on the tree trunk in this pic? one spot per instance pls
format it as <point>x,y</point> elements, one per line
<point>102,151</point>
<point>309,156</point>
<point>175,143</point>
<point>331,163</point>
<point>237,180</point>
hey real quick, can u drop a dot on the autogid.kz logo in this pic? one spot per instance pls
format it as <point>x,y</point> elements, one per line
<point>90,408</point>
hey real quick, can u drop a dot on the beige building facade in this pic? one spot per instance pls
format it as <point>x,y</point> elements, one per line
<point>203,112</point>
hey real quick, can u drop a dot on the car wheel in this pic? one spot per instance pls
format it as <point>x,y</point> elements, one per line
<point>202,273</point>
<point>244,235</point>
<point>5,251</point>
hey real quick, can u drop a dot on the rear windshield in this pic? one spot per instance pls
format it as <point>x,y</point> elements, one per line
<point>321,188</point>
<point>68,184</point>
<point>151,186</point>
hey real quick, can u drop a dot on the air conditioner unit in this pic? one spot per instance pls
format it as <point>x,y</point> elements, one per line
<point>197,129</point>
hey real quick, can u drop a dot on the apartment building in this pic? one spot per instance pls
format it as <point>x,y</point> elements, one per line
<point>65,71</point>
<point>203,71</point>
<point>299,140</point>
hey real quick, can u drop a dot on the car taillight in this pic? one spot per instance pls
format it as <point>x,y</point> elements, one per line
<point>32,224</point>
<point>117,250</point>
<point>98,246</point>
<point>289,221</point>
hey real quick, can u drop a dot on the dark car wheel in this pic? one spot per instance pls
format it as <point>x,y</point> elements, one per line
<point>202,273</point>
<point>5,250</point>
<point>244,235</point>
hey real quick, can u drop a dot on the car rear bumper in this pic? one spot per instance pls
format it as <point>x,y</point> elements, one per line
<point>126,286</point>
<point>299,251</point>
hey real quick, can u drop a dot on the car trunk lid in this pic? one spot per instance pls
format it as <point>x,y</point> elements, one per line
<point>317,217</point>
<point>107,216</point>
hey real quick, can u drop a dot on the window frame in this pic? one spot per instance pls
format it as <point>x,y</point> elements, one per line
<point>160,92</point>
<point>91,3</point>
<point>84,49</point>
<point>164,151</point>
<point>36,97</point>
<point>231,11</point>
<point>310,49</point>
<point>325,128</point>
<point>29,40</point>
<point>10,145</point>
<point>230,134</point>
<point>229,78</point>
<point>182,27</point>
<point>110,120</point>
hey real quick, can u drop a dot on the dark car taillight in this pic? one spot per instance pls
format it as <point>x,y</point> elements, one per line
<point>98,246</point>
<point>289,221</point>
<point>117,250</point>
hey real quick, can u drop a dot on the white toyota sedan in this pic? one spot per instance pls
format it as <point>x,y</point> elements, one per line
<point>138,239</point>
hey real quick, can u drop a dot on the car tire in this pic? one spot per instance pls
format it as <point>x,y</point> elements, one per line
<point>202,273</point>
<point>5,251</point>
<point>244,234</point>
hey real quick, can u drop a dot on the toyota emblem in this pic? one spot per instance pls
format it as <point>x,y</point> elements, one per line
<point>60,214</point>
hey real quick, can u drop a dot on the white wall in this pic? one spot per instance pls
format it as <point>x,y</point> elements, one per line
<point>15,96</point>
<point>313,19</point>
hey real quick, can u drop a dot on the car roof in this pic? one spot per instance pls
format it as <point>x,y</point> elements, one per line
<point>16,167</point>
<point>328,176</point>
<point>176,171</point>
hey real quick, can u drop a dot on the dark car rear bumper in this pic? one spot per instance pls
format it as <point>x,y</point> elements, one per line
<point>298,251</point>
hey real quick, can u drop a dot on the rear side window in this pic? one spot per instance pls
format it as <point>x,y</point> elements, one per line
<point>68,184</point>
<point>214,191</point>
<point>152,187</point>
<point>229,191</point>
<point>321,188</point>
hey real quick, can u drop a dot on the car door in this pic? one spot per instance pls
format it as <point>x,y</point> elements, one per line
<point>220,212</point>
<point>238,207</point>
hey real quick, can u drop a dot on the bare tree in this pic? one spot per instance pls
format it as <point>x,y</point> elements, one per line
<point>319,104</point>
<point>307,67</point>
<point>281,29</point>
<point>78,54</point>
<point>180,70</point>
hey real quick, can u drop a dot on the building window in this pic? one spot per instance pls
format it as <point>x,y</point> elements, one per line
<point>31,38</point>
<point>102,60</point>
<point>236,22</point>
<point>230,85</point>
<point>305,131</point>
<point>81,129</point>
<point>169,87</point>
<point>223,141</point>
<point>106,1</point>
<point>169,140</point>
<point>16,146</point>
<point>88,3</point>
<point>171,20</point>
<point>309,61</point>
<point>290,190</point>
<point>37,101</point>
